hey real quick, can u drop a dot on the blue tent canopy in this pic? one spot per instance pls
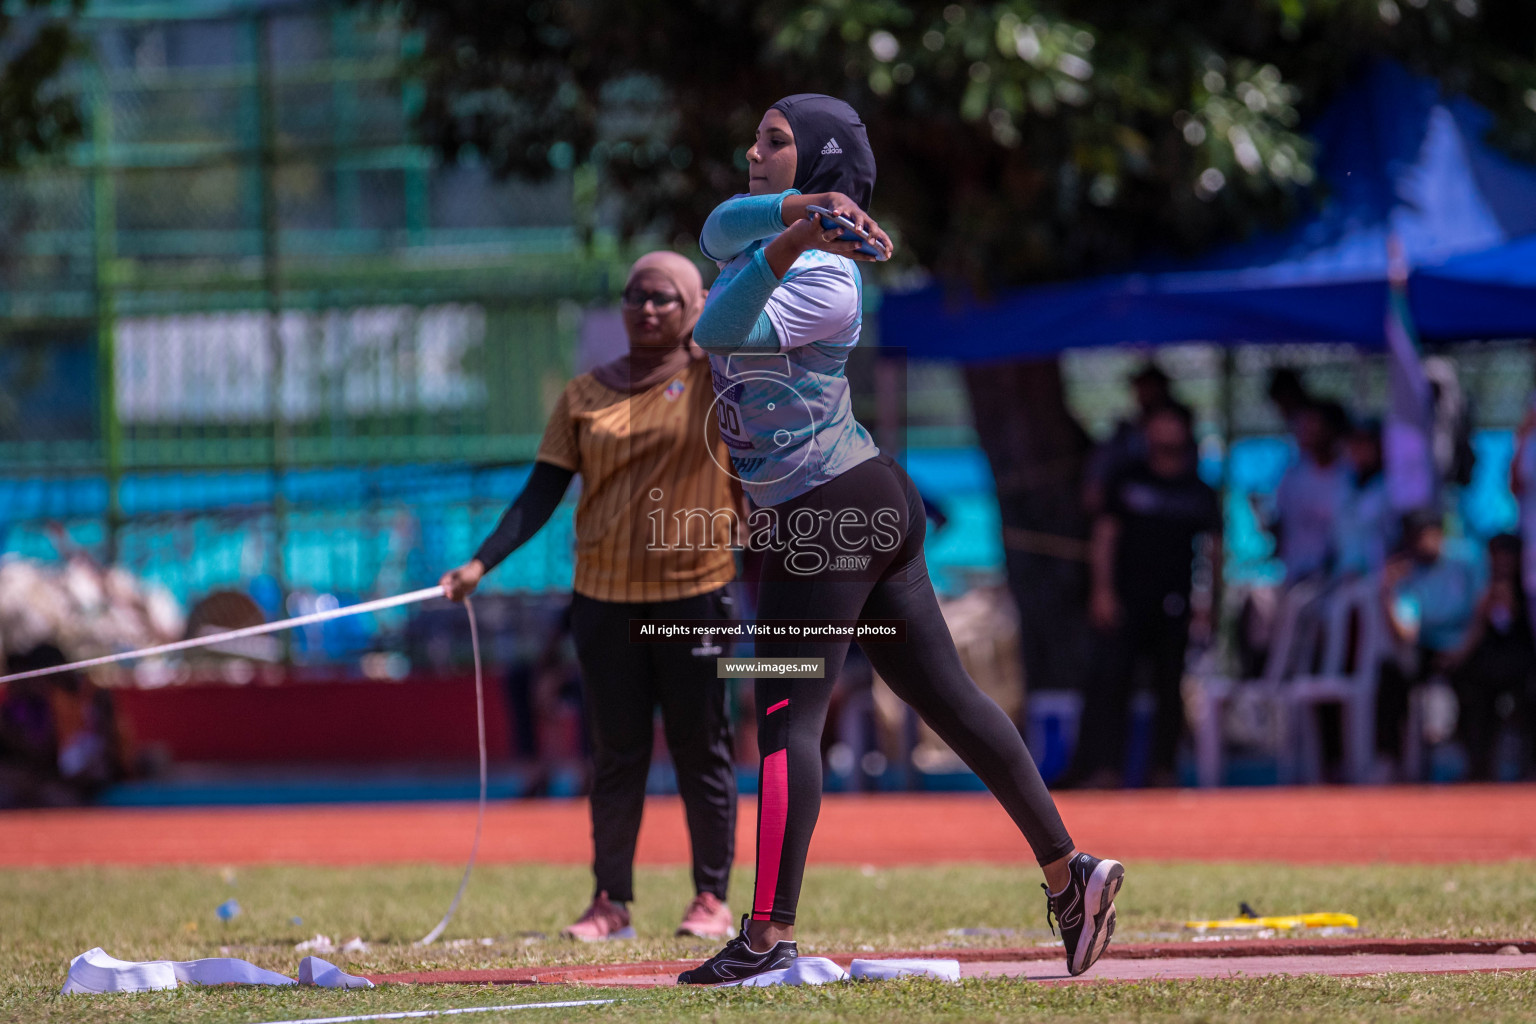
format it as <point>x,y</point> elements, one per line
<point>1396,158</point>
<point>1488,294</point>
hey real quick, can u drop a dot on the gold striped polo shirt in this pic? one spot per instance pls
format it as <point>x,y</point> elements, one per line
<point>653,522</point>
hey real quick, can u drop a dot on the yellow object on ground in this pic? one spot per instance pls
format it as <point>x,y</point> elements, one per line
<point>1283,922</point>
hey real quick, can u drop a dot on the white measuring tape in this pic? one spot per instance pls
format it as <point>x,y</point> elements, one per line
<point>446,1013</point>
<point>413,597</point>
<point>238,634</point>
<point>474,848</point>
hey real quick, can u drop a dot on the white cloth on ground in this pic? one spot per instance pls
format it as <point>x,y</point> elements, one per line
<point>874,970</point>
<point>95,971</point>
<point>816,970</point>
<point>324,974</point>
<point>805,970</point>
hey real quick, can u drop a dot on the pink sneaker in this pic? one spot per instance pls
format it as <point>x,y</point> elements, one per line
<point>602,921</point>
<point>707,918</point>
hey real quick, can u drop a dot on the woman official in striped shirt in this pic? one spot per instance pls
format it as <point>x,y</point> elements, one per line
<point>653,536</point>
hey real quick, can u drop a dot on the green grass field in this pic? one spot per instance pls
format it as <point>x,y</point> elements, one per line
<point>48,916</point>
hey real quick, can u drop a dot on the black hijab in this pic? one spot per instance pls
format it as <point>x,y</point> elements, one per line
<point>832,151</point>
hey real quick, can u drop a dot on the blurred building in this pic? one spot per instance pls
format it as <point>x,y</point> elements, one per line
<point>254,327</point>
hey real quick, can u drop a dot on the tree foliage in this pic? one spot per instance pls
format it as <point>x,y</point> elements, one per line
<point>37,117</point>
<point>1018,140</point>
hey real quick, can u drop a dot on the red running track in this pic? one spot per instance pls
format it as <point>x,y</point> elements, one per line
<point>1405,825</point>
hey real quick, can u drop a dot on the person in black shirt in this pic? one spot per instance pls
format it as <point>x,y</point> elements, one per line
<point>1142,561</point>
<point>1127,446</point>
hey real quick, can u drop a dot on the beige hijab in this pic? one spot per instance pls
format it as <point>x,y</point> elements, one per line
<point>684,276</point>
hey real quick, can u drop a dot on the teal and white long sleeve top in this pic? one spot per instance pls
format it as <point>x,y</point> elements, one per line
<point>778,354</point>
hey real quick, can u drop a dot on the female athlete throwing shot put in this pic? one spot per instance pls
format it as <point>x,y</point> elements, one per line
<point>779,325</point>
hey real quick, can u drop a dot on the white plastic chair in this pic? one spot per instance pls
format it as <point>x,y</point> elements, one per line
<point>1353,638</point>
<point>1212,694</point>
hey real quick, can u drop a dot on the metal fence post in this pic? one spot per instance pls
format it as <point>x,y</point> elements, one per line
<point>104,231</point>
<point>272,285</point>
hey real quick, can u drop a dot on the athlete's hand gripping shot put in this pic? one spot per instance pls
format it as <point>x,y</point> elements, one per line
<point>639,431</point>
<point>779,325</point>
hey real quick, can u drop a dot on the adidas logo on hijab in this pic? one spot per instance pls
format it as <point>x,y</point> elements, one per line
<point>844,162</point>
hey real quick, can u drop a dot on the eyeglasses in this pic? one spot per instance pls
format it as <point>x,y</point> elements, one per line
<point>635,298</point>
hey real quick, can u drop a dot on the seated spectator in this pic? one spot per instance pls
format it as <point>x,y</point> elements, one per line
<point>1312,494</point>
<point>59,740</point>
<point>1429,598</point>
<point>1288,394</point>
<point>1143,552</point>
<point>28,745</point>
<point>1522,484</point>
<point>1493,667</point>
<point>1366,529</point>
<point>1300,516</point>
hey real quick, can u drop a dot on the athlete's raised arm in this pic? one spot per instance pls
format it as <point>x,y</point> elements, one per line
<point>735,224</point>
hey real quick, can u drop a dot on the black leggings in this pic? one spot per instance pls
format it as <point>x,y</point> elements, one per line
<point>622,684</point>
<point>924,671</point>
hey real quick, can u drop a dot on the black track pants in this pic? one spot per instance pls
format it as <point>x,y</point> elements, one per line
<point>1147,632</point>
<point>924,671</point>
<point>622,683</point>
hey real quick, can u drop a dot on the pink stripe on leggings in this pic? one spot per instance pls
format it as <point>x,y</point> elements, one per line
<point>772,813</point>
<point>781,704</point>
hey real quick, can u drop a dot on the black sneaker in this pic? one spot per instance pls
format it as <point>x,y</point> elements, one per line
<point>1085,909</point>
<point>739,960</point>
